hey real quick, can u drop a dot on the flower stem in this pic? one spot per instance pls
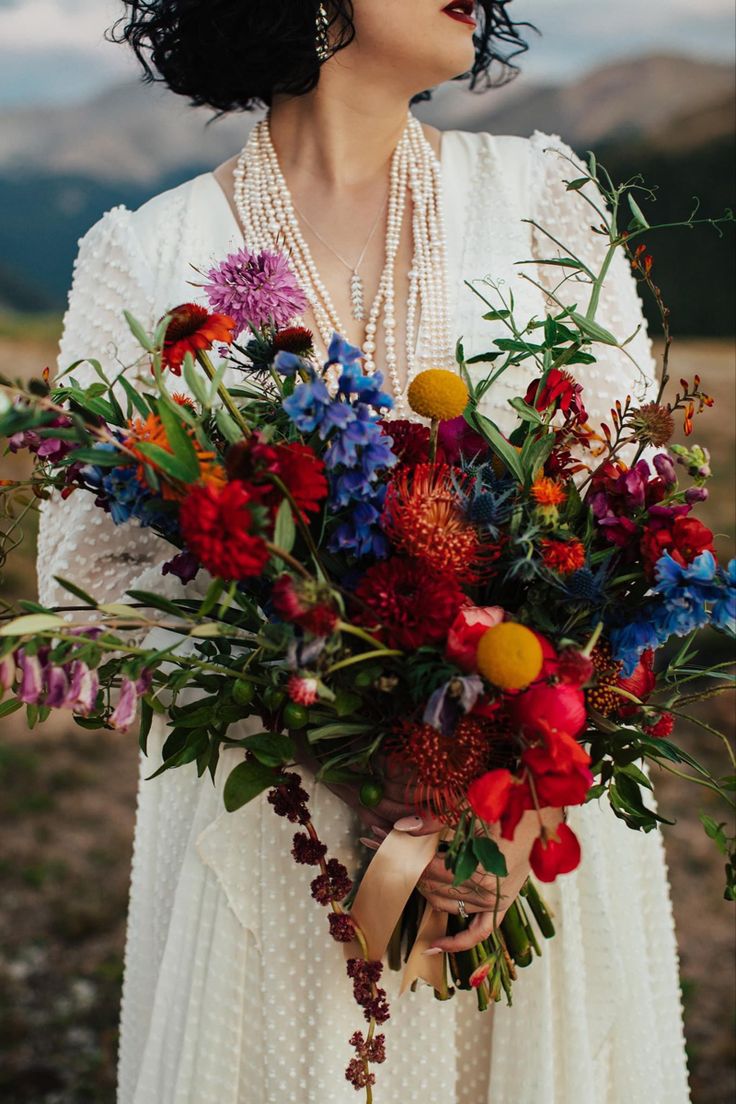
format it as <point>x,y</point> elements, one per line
<point>224,394</point>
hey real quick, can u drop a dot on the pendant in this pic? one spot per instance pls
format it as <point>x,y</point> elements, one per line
<point>357,297</point>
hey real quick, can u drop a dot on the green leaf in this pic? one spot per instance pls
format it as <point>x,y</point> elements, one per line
<point>346,702</point>
<point>639,217</point>
<point>284,533</point>
<point>715,832</point>
<point>12,705</point>
<point>76,591</point>
<point>465,864</point>
<point>499,444</point>
<point>526,413</point>
<point>247,781</point>
<point>155,601</point>
<point>194,381</point>
<point>593,330</point>
<point>101,458</point>
<point>336,730</point>
<point>145,726</point>
<point>32,623</point>
<point>577,184</point>
<point>560,262</point>
<point>139,333</point>
<point>227,426</point>
<point>273,749</point>
<point>632,771</point>
<point>166,461</point>
<point>490,856</point>
<point>496,316</point>
<point>180,441</point>
<point>134,398</point>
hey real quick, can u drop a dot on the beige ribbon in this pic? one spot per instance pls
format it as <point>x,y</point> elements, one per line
<point>386,886</point>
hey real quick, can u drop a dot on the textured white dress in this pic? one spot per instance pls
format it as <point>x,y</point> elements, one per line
<point>234,993</point>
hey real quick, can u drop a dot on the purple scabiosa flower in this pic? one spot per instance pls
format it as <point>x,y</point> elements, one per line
<point>255,289</point>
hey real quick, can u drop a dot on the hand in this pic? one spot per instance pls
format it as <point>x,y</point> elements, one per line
<point>479,893</point>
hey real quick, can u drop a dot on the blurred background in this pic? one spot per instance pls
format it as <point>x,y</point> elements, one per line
<point>652,89</point>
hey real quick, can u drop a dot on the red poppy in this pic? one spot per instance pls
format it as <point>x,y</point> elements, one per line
<point>217,525</point>
<point>555,853</point>
<point>192,329</point>
<point>684,539</point>
<point>561,705</point>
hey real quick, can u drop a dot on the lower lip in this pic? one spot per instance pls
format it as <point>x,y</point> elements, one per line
<point>461,17</point>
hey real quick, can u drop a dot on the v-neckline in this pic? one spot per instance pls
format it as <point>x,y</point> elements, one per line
<point>452,241</point>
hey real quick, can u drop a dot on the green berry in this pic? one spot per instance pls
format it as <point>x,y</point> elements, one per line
<point>273,699</point>
<point>243,692</point>
<point>295,715</point>
<point>371,793</point>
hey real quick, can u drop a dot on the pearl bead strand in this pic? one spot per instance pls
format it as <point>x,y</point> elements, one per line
<point>269,221</point>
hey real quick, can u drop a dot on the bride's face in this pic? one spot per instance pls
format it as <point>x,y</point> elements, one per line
<point>423,42</point>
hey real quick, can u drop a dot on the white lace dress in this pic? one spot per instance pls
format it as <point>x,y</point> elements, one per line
<point>234,993</point>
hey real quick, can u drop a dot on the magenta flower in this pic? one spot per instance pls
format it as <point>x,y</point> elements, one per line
<point>31,678</point>
<point>256,289</point>
<point>82,696</point>
<point>125,711</point>
<point>57,687</point>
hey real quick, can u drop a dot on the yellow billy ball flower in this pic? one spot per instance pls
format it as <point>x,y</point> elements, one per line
<point>510,656</point>
<point>438,394</point>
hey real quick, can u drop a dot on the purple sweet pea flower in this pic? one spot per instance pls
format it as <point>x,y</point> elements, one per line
<point>696,494</point>
<point>125,711</point>
<point>83,689</point>
<point>635,482</point>
<point>459,695</point>
<point>665,468</point>
<point>31,678</point>
<point>57,687</point>
<point>185,566</point>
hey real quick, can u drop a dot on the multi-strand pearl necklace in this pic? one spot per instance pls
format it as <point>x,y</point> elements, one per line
<point>269,221</point>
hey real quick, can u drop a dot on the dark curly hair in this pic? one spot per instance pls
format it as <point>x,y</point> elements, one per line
<point>221,57</point>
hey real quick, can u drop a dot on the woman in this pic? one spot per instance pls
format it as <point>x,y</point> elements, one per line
<point>233,993</point>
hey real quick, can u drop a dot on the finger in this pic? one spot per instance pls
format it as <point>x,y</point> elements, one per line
<point>373,845</point>
<point>370,819</point>
<point>478,883</point>
<point>480,928</point>
<point>444,904</point>
<point>420,824</point>
<point>452,898</point>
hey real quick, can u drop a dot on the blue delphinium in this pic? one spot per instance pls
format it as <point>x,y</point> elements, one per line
<point>357,451</point>
<point>122,494</point>
<point>688,598</point>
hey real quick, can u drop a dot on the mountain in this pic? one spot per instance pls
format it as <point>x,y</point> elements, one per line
<point>670,117</point>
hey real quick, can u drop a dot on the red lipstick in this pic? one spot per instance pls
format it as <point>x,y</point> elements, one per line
<point>461,11</point>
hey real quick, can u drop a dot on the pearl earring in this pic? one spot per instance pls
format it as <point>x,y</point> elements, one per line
<point>323,34</point>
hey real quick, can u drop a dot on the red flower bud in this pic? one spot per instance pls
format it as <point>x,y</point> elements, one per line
<point>555,853</point>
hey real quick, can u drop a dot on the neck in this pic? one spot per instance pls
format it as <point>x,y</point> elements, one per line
<point>334,139</point>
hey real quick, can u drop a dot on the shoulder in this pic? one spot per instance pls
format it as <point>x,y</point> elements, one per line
<point>142,237</point>
<point>524,162</point>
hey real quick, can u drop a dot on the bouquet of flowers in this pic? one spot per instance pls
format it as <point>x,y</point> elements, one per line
<point>485,617</point>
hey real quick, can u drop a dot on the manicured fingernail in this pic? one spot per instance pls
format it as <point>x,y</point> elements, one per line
<point>378,832</point>
<point>432,951</point>
<point>409,824</point>
<point>369,843</point>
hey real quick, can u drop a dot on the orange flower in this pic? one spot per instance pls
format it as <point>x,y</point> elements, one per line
<point>548,492</point>
<point>423,517</point>
<point>151,431</point>
<point>192,329</point>
<point>563,557</point>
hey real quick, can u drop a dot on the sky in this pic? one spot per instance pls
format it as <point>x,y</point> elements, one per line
<point>54,50</point>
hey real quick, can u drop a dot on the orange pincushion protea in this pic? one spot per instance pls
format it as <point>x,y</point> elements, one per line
<point>441,767</point>
<point>423,516</point>
<point>151,431</point>
<point>191,329</point>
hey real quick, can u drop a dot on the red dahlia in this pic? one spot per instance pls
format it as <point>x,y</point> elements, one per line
<point>191,329</point>
<point>409,603</point>
<point>410,440</point>
<point>217,526</point>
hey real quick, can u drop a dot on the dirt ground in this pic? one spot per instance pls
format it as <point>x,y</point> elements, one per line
<point>67,801</point>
